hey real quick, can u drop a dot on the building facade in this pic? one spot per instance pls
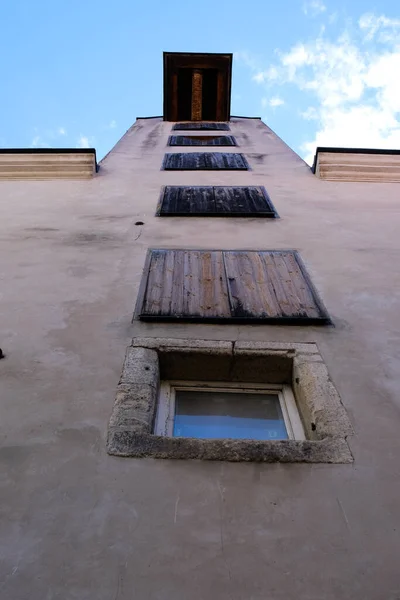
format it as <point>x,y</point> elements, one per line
<point>98,506</point>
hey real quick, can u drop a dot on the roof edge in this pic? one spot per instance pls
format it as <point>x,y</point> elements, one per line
<point>338,150</point>
<point>51,151</point>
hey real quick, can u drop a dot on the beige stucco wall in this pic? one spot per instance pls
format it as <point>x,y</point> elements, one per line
<point>77,523</point>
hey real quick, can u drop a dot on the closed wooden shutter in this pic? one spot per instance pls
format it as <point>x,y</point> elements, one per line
<point>185,284</point>
<point>229,201</point>
<point>190,161</point>
<point>191,140</point>
<point>181,200</point>
<point>243,201</point>
<point>269,286</point>
<point>201,126</point>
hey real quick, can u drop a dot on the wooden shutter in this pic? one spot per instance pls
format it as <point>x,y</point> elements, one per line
<point>200,126</point>
<point>181,201</point>
<point>268,286</point>
<point>185,284</point>
<point>243,201</point>
<point>227,201</point>
<point>191,140</point>
<point>190,161</point>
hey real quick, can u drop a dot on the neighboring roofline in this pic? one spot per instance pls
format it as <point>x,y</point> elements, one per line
<point>155,117</point>
<point>350,151</point>
<point>51,151</point>
<point>242,117</point>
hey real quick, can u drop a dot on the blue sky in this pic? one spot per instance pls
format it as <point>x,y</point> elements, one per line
<point>77,73</point>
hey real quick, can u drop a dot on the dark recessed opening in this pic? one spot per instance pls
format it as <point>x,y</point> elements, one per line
<point>184,94</point>
<point>209,94</point>
<point>139,223</point>
<point>197,87</point>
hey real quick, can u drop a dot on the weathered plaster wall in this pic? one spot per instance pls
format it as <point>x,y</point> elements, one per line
<point>77,523</point>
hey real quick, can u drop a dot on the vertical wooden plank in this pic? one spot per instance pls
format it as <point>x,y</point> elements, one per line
<point>140,300</point>
<point>276,284</point>
<point>299,286</point>
<point>197,92</point>
<point>293,307</point>
<point>214,293</point>
<point>168,202</point>
<point>205,290</point>
<point>191,283</point>
<point>176,309</point>
<point>224,199</point>
<point>250,292</point>
<point>155,284</point>
<point>167,282</point>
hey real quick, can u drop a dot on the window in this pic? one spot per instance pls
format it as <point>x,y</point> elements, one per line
<point>228,400</point>
<point>197,86</point>
<point>233,411</point>
<point>205,161</point>
<point>270,286</point>
<point>201,140</point>
<point>196,126</point>
<point>217,201</point>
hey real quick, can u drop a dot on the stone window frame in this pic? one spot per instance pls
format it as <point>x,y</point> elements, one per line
<point>150,360</point>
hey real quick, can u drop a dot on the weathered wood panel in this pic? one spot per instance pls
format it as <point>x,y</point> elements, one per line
<point>182,200</point>
<point>185,283</point>
<point>269,284</point>
<point>197,140</point>
<point>248,287</point>
<point>214,292</point>
<point>235,201</point>
<point>155,289</point>
<point>190,161</point>
<point>243,201</point>
<point>201,126</point>
<point>215,285</point>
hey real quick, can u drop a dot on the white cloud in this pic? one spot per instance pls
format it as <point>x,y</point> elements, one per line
<point>310,114</point>
<point>352,83</point>
<point>267,75</point>
<point>372,25</point>
<point>272,102</point>
<point>113,124</point>
<point>276,101</point>
<point>313,7</point>
<point>83,142</point>
<point>61,131</point>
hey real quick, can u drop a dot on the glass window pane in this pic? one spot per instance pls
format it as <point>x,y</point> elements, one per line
<point>234,415</point>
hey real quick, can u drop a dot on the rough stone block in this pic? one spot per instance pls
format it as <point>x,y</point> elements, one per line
<point>140,367</point>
